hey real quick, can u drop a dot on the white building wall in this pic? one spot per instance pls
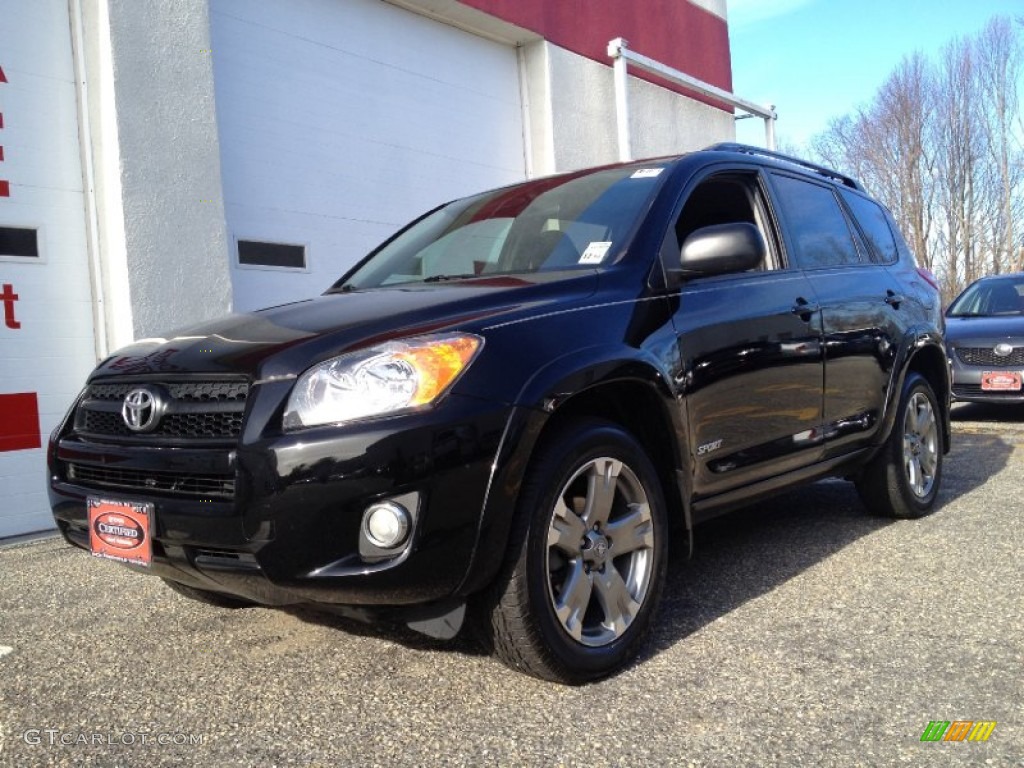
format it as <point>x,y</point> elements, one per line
<point>46,333</point>
<point>572,120</point>
<point>341,121</point>
<point>156,155</point>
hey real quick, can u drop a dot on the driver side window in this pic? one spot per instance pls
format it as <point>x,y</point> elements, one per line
<point>728,198</point>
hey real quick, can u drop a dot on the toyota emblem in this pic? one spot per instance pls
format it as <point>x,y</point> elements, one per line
<point>1003,350</point>
<point>142,409</point>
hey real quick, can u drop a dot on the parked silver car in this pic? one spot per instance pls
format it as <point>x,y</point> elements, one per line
<point>985,340</point>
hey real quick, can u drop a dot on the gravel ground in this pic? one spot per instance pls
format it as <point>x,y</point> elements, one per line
<point>802,633</point>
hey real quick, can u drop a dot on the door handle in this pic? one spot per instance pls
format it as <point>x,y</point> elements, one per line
<point>804,309</point>
<point>894,299</point>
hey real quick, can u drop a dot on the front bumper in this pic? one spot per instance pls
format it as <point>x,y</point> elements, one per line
<point>288,530</point>
<point>967,383</point>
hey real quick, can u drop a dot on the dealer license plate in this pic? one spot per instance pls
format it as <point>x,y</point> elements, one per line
<point>120,530</point>
<point>1001,381</point>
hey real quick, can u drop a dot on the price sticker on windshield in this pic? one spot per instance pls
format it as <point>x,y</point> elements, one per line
<point>647,173</point>
<point>595,252</point>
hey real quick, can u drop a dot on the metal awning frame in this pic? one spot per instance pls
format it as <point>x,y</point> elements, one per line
<point>618,50</point>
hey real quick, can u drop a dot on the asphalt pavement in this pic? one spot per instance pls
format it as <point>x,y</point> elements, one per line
<point>802,633</point>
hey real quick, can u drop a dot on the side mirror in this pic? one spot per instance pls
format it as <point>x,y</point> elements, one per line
<point>722,248</point>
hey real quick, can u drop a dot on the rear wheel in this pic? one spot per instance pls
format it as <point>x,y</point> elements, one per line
<point>208,597</point>
<point>903,479</point>
<point>586,560</point>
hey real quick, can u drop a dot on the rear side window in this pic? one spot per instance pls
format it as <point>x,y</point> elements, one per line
<point>875,225</point>
<point>818,230</point>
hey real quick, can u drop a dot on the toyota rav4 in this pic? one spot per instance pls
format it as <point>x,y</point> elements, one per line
<point>495,416</point>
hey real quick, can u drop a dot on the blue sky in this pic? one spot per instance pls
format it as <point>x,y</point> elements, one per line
<point>818,59</point>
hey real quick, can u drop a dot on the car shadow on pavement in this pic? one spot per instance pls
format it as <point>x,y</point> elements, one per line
<point>750,552</point>
<point>986,413</point>
<point>387,629</point>
<point>740,556</point>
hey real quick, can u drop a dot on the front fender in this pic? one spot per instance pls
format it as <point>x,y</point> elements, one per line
<point>562,378</point>
<point>544,396</point>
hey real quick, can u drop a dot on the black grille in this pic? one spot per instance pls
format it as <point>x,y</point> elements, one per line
<point>201,425</point>
<point>178,425</point>
<point>195,411</point>
<point>986,356</point>
<point>200,391</point>
<point>102,423</point>
<point>153,481</point>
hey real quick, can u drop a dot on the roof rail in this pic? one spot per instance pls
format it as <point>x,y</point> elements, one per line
<point>731,146</point>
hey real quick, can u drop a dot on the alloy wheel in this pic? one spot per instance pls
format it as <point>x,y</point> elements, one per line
<point>600,552</point>
<point>920,444</point>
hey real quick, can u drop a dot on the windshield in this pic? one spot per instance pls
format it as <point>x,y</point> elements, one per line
<point>577,221</point>
<point>990,298</point>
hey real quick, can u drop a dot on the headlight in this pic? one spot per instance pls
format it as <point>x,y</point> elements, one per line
<point>391,377</point>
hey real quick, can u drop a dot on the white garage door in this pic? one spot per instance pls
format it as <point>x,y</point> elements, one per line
<point>46,327</point>
<point>340,120</point>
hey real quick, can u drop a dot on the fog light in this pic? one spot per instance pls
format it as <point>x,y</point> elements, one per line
<point>386,524</point>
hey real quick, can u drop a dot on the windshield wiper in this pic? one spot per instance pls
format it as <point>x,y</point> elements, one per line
<point>443,278</point>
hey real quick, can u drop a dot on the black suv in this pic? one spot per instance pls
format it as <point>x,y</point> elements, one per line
<point>499,412</point>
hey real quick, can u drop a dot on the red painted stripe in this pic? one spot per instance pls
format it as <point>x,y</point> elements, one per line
<point>675,32</point>
<point>1,119</point>
<point>3,77</point>
<point>19,422</point>
<point>1,154</point>
<point>5,188</point>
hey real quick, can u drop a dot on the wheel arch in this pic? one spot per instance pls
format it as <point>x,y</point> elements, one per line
<point>931,362</point>
<point>895,481</point>
<point>632,393</point>
<point>639,407</point>
<point>926,356</point>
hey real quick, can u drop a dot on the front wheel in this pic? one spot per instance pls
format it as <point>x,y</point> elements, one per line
<point>586,560</point>
<point>903,479</point>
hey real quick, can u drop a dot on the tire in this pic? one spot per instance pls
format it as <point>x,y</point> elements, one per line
<point>902,480</point>
<point>585,568</point>
<point>210,598</point>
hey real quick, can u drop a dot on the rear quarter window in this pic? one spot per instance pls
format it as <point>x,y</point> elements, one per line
<point>875,226</point>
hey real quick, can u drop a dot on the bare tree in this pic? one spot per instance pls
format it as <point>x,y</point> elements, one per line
<point>999,59</point>
<point>941,145</point>
<point>958,150</point>
<point>889,146</point>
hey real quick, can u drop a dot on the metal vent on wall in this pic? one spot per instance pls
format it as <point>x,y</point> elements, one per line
<point>19,241</point>
<point>254,253</point>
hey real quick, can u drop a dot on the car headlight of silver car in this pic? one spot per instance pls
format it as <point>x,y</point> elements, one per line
<point>388,378</point>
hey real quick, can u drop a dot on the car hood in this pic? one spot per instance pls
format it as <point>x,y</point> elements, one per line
<point>287,339</point>
<point>985,329</point>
